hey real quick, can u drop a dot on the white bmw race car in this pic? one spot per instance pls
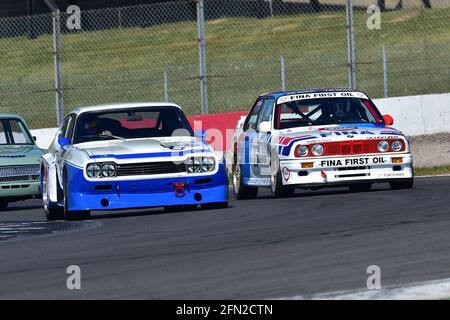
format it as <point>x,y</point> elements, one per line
<point>318,138</point>
<point>129,156</point>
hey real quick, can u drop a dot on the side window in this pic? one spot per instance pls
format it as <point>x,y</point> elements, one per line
<point>64,127</point>
<point>71,124</point>
<point>252,118</point>
<point>267,111</point>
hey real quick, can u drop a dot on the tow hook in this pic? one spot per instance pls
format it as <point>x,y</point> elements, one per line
<point>179,189</point>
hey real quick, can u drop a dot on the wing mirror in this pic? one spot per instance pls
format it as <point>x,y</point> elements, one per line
<point>265,127</point>
<point>388,120</point>
<point>62,141</point>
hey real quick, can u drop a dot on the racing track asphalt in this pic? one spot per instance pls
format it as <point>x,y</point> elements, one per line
<point>314,242</point>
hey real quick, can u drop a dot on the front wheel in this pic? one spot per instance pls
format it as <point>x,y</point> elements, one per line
<point>215,205</point>
<point>361,187</point>
<point>3,204</point>
<point>402,184</point>
<point>52,212</point>
<point>73,214</point>
<point>241,191</point>
<point>277,188</point>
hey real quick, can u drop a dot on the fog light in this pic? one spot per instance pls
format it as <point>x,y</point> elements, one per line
<point>307,165</point>
<point>397,160</point>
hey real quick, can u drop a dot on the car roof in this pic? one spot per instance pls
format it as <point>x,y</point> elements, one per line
<point>279,94</point>
<point>116,106</point>
<point>10,116</point>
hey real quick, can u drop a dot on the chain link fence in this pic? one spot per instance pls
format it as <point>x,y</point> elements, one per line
<point>151,53</point>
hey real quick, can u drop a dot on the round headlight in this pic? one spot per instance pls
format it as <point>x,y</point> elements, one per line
<point>396,145</point>
<point>108,170</point>
<point>190,165</point>
<point>302,151</point>
<point>207,164</point>
<point>317,149</point>
<point>383,146</point>
<point>93,170</point>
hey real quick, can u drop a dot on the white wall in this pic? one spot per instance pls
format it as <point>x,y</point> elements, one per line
<point>417,115</point>
<point>414,115</point>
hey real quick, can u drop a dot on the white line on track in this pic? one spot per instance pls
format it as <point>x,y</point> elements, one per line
<point>434,176</point>
<point>429,290</point>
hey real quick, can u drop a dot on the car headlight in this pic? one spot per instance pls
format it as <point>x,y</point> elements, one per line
<point>194,165</point>
<point>317,149</point>
<point>93,170</point>
<point>301,151</point>
<point>396,145</point>
<point>383,146</point>
<point>108,170</point>
<point>208,164</point>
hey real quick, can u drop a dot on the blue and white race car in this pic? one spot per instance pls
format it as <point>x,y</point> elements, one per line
<point>317,138</point>
<point>129,156</point>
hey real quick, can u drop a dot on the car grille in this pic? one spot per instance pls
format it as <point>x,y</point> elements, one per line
<point>150,168</point>
<point>19,171</point>
<point>350,148</point>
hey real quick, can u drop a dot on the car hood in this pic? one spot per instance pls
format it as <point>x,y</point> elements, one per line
<point>340,132</point>
<point>19,155</point>
<point>143,148</point>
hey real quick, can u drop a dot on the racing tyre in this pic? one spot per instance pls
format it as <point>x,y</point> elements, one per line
<point>73,215</point>
<point>277,188</point>
<point>52,212</point>
<point>241,191</point>
<point>403,184</point>
<point>215,205</point>
<point>3,204</point>
<point>360,187</point>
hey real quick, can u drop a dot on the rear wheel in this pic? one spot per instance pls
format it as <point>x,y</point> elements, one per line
<point>72,214</point>
<point>361,187</point>
<point>241,191</point>
<point>403,184</point>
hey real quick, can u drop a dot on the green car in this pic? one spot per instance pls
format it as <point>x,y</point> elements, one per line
<point>19,161</point>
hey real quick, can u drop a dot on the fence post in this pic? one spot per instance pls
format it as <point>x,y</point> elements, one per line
<point>202,55</point>
<point>59,97</point>
<point>283,74</point>
<point>385,72</point>
<point>351,45</point>
<point>166,85</point>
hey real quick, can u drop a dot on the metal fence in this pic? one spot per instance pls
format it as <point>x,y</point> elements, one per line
<point>153,53</point>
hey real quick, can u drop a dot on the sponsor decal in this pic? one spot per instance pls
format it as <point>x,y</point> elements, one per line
<point>286,174</point>
<point>324,175</point>
<point>352,162</point>
<point>306,96</point>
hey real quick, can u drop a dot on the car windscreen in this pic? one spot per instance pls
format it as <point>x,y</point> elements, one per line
<point>133,123</point>
<point>325,111</point>
<point>14,132</point>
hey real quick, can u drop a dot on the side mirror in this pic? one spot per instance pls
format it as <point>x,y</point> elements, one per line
<point>388,120</point>
<point>62,141</point>
<point>264,127</point>
<point>201,134</point>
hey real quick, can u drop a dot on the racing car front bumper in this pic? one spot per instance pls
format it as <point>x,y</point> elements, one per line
<point>325,171</point>
<point>112,195</point>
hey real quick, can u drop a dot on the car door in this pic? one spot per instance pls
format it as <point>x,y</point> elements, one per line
<point>263,138</point>
<point>247,144</point>
<point>62,152</point>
